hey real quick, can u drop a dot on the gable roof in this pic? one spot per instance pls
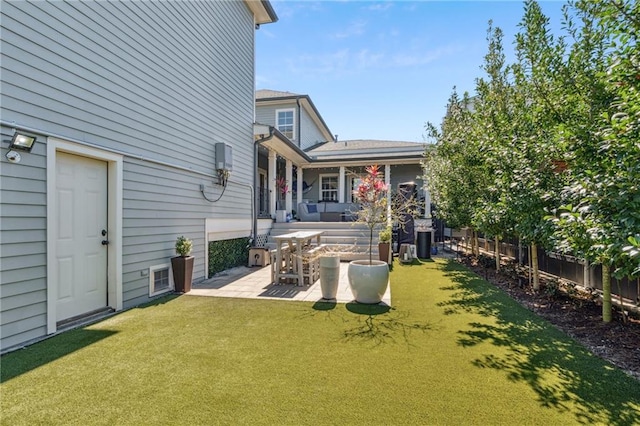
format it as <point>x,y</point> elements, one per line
<point>274,97</point>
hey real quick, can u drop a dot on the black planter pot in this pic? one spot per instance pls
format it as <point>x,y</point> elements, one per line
<point>182,273</point>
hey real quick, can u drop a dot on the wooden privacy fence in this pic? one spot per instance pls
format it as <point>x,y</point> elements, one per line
<point>566,267</point>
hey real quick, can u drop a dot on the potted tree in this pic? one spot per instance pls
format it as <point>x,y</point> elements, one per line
<point>368,279</point>
<point>182,265</point>
<point>384,243</point>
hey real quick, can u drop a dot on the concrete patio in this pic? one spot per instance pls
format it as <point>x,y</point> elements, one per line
<point>255,283</point>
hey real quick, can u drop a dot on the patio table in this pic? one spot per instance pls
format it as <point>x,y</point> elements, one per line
<point>297,241</point>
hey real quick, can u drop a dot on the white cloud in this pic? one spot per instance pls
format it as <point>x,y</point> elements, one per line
<point>366,59</point>
<point>355,29</point>
<point>380,7</point>
<point>409,59</point>
<point>352,62</point>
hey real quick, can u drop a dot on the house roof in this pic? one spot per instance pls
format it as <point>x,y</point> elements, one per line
<point>262,10</point>
<point>267,94</point>
<point>359,144</point>
<point>367,150</point>
<point>274,97</point>
<point>271,137</point>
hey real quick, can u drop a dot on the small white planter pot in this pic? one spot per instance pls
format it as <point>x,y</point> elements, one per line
<point>329,276</point>
<point>368,282</point>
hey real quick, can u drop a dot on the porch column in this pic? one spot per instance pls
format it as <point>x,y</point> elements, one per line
<point>289,177</point>
<point>272,183</point>
<point>341,185</point>
<point>387,182</point>
<point>299,187</point>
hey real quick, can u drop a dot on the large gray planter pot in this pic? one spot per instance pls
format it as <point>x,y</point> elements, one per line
<point>329,276</point>
<point>368,281</point>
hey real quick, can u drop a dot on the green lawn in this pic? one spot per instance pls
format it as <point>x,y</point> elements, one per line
<point>452,350</point>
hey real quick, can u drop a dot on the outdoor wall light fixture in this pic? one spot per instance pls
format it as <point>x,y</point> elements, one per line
<point>22,142</point>
<point>19,142</point>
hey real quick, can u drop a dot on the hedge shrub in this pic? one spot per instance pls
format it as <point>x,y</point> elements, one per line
<point>227,254</point>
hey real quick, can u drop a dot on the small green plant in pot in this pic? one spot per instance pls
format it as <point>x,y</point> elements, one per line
<point>184,246</point>
<point>182,265</point>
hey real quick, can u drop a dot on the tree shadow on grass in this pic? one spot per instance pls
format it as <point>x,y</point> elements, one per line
<point>380,324</point>
<point>532,351</point>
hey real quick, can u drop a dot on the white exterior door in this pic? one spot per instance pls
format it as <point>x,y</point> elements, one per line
<point>81,210</point>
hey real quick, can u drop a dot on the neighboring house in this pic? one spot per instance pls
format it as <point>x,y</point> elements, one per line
<point>296,144</point>
<point>127,101</point>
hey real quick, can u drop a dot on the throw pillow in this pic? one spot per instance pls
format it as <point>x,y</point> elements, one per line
<point>312,208</point>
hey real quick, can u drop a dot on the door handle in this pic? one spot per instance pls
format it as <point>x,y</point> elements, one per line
<point>105,242</point>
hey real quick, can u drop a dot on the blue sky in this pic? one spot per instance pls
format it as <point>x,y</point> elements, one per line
<point>382,69</point>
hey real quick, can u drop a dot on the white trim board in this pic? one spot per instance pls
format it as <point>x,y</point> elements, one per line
<point>114,214</point>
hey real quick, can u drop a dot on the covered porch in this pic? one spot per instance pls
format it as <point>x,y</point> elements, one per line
<point>324,178</point>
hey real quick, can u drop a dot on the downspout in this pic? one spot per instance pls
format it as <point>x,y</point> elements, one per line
<point>298,123</point>
<point>254,230</point>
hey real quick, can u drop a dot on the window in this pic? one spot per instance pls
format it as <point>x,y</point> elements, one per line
<point>285,122</point>
<point>160,279</point>
<point>329,187</point>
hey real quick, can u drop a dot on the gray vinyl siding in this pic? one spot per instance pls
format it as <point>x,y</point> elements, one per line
<point>140,77</point>
<point>311,135</point>
<point>163,81</point>
<point>23,246</point>
<point>161,204</point>
<point>266,114</point>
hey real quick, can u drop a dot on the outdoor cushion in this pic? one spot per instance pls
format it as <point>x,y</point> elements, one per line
<point>312,208</point>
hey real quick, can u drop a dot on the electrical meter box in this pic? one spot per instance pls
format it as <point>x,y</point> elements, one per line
<point>224,157</point>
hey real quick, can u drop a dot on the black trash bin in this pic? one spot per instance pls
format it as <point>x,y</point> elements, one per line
<point>424,245</point>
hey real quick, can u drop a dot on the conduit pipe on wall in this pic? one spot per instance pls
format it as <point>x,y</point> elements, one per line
<point>256,144</point>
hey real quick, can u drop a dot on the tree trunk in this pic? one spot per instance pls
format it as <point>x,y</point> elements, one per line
<point>497,254</point>
<point>476,244</point>
<point>520,253</point>
<point>534,267</point>
<point>529,275</point>
<point>606,293</point>
<point>466,241</point>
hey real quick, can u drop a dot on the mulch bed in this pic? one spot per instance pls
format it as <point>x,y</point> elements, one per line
<point>577,313</point>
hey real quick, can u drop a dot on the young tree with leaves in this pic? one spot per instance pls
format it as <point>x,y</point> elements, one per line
<point>601,217</point>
